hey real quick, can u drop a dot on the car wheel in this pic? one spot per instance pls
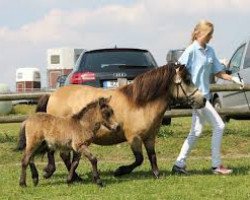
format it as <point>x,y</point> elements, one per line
<point>217,105</point>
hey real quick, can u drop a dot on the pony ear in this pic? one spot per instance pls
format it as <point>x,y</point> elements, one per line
<point>109,98</point>
<point>102,101</point>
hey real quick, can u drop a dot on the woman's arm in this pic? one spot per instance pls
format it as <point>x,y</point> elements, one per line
<point>228,77</point>
<point>224,75</point>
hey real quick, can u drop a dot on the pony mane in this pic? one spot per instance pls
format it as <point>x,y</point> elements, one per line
<point>85,109</point>
<point>150,85</point>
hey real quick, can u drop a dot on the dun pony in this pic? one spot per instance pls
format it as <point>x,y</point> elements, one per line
<point>72,133</point>
<point>139,109</point>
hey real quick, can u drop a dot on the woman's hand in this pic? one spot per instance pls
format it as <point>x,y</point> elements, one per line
<point>238,81</point>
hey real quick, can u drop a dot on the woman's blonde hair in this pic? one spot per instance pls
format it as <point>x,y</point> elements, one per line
<point>203,26</point>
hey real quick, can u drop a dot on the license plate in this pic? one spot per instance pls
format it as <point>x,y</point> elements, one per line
<point>110,84</point>
<point>116,83</point>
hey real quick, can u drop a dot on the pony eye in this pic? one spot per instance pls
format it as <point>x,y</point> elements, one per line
<point>107,113</point>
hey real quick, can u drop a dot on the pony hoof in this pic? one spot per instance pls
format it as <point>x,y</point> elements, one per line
<point>47,174</point>
<point>35,181</point>
<point>70,181</point>
<point>156,175</point>
<point>122,170</point>
<point>99,183</point>
<point>22,184</point>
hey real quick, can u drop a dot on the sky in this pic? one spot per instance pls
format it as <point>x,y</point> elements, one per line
<point>29,27</point>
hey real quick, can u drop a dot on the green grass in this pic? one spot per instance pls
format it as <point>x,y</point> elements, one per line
<point>201,184</point>
<point>23,109</point>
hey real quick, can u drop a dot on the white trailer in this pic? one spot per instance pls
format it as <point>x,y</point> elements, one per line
<point>60,62</point>
<point>28,79</point>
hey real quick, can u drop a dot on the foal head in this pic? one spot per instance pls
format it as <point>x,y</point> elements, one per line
<point>184,91</point>
<point>98,113</point>
<point>105,114</point>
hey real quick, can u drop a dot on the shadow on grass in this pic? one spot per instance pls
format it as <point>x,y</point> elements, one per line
<point>107,177</point>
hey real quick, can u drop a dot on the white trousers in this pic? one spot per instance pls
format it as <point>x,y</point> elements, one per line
<point>199,118</point>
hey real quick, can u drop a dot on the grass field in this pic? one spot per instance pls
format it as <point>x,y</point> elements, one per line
<point>200,184</point>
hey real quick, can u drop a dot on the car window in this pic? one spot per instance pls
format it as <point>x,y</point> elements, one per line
<point>174,55</point>
<point>108,60</point>
<point>247,58</point>
<point>235,62</point>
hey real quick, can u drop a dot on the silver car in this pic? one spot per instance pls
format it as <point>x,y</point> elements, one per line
<point>239,65</point>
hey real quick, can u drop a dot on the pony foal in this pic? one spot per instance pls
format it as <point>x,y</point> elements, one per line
<point>72,133</point>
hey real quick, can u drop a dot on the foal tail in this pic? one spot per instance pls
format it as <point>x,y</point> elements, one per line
<point>22,138</point>
<point>42,103</point>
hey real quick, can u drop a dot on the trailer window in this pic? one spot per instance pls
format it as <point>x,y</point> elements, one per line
<point>55,59</point>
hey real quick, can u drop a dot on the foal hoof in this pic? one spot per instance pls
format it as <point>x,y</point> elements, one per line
<point>76,178</point>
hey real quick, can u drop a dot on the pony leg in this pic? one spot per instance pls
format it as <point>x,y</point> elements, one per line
<point>66,159</point>
<point>51,166</point>
<point>96,178</point>
<point>150,148</point>
<point>34,172</point>
<point>73,166</point>
<point>136,147</point>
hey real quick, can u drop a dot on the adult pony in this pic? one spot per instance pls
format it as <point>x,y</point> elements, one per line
<point>139,108</point>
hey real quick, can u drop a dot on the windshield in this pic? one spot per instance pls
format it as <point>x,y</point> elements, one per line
<point>106,60</point>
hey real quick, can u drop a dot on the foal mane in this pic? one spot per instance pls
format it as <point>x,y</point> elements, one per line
<point>150,85</point>
<point>85,109</point>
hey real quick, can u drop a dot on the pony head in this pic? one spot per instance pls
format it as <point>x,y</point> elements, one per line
<point>184,91</point>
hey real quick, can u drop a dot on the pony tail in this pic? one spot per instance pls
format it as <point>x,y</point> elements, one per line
<point>42,103</point>
<point>22,138</point>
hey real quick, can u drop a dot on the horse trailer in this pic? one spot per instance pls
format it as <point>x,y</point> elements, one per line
<point>60,62</point>
<point>28,79</point>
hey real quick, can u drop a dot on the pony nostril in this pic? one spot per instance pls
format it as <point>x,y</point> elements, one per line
<point>204,100</point>
<point>116,127</point>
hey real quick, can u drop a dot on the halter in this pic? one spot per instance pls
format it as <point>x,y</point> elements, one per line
<point>189,99</point>
<point>178,84</point>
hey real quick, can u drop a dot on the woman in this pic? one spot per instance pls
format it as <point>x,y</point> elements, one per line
<point>201,61</point>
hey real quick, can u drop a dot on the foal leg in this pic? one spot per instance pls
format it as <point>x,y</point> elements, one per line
<point>73,166</point>
<point>150,148</point>
<point>136,146</point>
<point>96,177</point>
<point>51,166</point>
<point>25,162</point>
<point>34,172</point>
<point>66,159</point>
